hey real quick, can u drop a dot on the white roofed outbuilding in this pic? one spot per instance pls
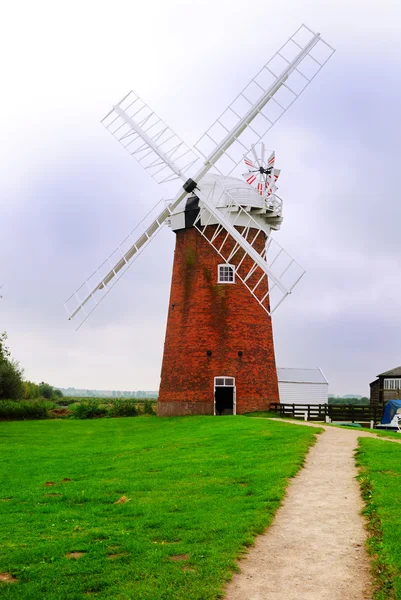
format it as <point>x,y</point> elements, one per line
<point>302,386</point>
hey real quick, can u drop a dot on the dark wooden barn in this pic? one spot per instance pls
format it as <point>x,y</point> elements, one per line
<point>386,387</point>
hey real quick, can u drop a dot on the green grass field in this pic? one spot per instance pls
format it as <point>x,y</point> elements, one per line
<point>388,434</point>
<point>199,489</point>
<point>380,480</point>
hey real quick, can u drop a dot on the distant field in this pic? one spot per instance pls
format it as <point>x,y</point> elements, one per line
<point>140,508</point>
<point>380,480</point>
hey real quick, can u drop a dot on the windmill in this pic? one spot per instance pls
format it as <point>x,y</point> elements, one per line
<point>229,274</point>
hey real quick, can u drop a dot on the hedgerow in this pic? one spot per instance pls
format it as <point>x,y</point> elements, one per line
<point>12,410</point>
<point>88,409</point>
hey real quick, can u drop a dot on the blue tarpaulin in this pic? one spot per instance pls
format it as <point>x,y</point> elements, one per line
<point>390,410</point>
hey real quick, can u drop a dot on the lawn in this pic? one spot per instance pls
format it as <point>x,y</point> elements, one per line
<point>380,479</point>
<point>141,508</point>
<point>387,433</point>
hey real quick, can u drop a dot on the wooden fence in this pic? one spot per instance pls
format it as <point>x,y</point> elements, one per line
<point>336,412</point>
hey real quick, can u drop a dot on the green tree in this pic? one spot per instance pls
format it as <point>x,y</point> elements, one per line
<point>31,390</point>
<point>46,390</point>
<point>11,382</point>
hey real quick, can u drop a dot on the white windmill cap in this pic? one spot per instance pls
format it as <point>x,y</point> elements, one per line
<point>245,195</point>
<point>221,191</point>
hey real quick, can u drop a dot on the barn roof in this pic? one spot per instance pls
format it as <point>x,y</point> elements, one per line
<point>301,375</point>
<point>391,373</point>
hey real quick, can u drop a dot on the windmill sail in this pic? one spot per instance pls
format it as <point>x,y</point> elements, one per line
<point>273,266</point>
<point>264,100</point>
<point>148,139</point>
<point>88,296</point>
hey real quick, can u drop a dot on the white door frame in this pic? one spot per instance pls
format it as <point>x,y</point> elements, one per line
<point>231,385</point>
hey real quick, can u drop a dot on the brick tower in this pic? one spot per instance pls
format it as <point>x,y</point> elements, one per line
<point>218,352</point>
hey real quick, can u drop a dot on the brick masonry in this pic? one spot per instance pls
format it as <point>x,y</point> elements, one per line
<point>223,319</point>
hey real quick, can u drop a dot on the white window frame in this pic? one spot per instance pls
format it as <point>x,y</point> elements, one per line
<point>392,384</point>
<point>225,384</point>
<point>232,267</point>
<point>227,381</point>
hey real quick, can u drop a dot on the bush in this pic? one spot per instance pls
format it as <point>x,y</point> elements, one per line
<point>148,408</point>
<point>65,401</point>
<point>48,404</point>
<point>11,384</point>
<point>124,408</point>
<point>10,410</point>
<point>88,409</point>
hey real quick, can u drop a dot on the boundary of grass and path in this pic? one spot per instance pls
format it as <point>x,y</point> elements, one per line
<point>380,433</point>
<point>379,479</point>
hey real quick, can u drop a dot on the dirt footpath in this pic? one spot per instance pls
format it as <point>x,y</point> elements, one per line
<point>314,550</point>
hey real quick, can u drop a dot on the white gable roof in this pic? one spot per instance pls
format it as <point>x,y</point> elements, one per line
<point>301,375</point>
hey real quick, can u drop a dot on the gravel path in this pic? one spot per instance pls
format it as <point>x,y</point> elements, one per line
<point>314,550</point>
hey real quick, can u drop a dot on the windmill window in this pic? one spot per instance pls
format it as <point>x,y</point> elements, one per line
<point>226,274</point>
<point>224,381</point>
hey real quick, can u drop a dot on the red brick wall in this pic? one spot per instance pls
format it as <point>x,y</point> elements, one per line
<point>224,318</point>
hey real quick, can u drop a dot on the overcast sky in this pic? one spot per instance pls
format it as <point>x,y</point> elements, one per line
<point>69,193</point>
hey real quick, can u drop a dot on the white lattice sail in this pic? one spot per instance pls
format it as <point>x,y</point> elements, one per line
<point>148,139</point>
<point>265,99</point>
<point>89,295</point>
<point>273,266</point>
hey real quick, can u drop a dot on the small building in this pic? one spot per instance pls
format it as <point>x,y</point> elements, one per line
<point>386,387</point>
<point>302,386</point>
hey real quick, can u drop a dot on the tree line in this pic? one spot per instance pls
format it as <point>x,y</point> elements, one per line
<point>12,383</point>
<point>357,401</point>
